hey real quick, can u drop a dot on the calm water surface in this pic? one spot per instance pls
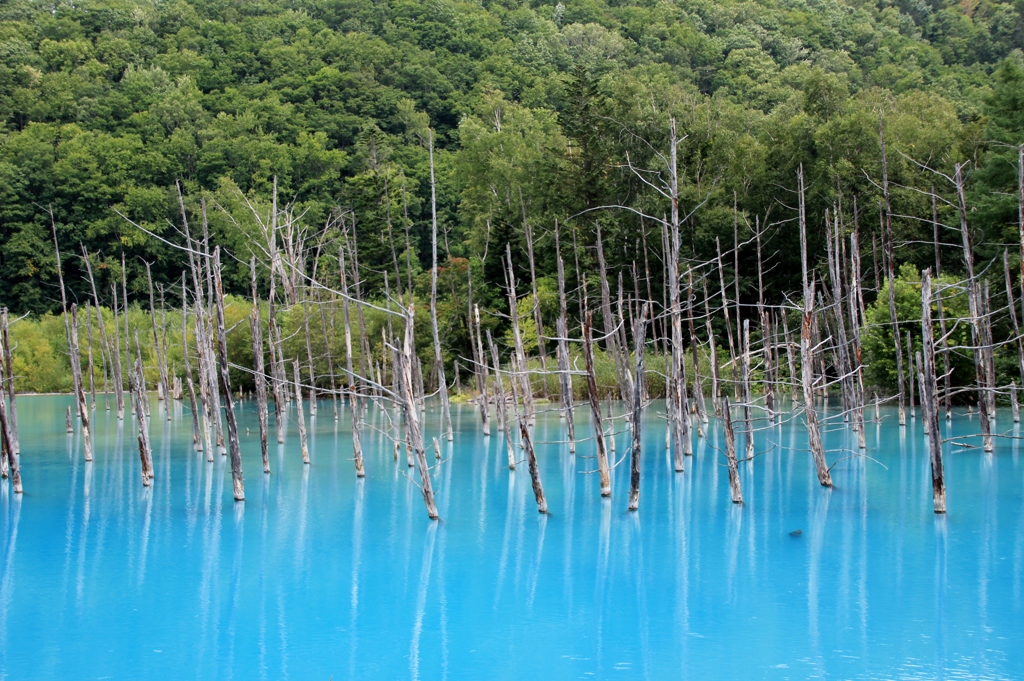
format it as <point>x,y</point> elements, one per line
<point>318,574</point>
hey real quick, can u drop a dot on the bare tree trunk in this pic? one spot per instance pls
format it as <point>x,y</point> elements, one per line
<point>256,327</point>
<point>9,450</point>
<point>698,384</point>
<point>502,405</point>
<point>138,386</point>
<point>479,359</point>
<point>891,271</point>
<point>639,335</point>
<point>113,353</point>
<point>595,406</point>
<point>716,390</point>
<point>12,414</point>
<point>565,378</point>
<point>517,337</point>
<point>730,455</point>
<point>164,388</point>
<point>446,415</point>
<point>300,416</point>
<point>76,370</point>
<point>609,318</point>
<point>931,411</point>
<point>353,392</point>
<point>412,425</point>
<point>482,374</point>
<point>807,351</point>
<point>974,304</point>
<point>531,455</point>
<point>748,398</point>
<point>238,482</point>
<point>197,440</point>
<point>725,311</point>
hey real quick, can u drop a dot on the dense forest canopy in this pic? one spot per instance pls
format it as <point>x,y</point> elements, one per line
<point>537,110</point>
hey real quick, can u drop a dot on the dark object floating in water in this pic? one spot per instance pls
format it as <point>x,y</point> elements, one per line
<point>796,533</point>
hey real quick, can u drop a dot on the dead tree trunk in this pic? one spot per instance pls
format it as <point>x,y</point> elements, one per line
<point>730,454</point>
<point>238,482</point>
<point>197,440</point>
<point>353,392</point>
<point>481,374</point>
<point>76,370</point>
<point>930,405</point>
<point>161,362</point>
<point>12,414</point>
<point>639,334</point>
<point>114,354</point>
<point>256,327</point>
<point>412,424</point>
<point>891,271</point>
<point>138,386</point>
<point>517,337</point>
<point>748,397</point>
<point>300,416</point>
<point>531,456</point>
<point>502,404</point>
<point>595,406</point>
<point>807,350</point>
<point>565,378</point>
<point>9,451</point>
<point>446,414</point>
<point>974,305</point>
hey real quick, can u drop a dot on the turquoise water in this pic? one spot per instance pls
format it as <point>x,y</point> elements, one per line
<point>319,575</point>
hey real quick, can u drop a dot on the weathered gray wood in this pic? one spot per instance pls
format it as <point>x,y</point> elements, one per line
<point>481,374</point>
<point>931,411</point>
<point>636,419</point>
<point>76,370</point>
<point>141,417</point>
<point>9,454</point>
<point>197,439</point>
<point>807,349</point>
<point>446,415</point>
<point>730,454</point>
<point>564,377</point>
<point>353,390</point>
<point>238,482</point>
<point>531,455</point>
<point>300,416</point>
<point>502,405</point>
<point>595,406</point>
<point>12,394</point>
<point>411,411</point>
<point>256,328</point>
<point>888,244</point>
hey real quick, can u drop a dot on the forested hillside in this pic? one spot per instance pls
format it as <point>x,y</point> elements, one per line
<point>538,110</point>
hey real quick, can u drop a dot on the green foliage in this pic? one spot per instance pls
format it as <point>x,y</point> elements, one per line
<point>878,340</point>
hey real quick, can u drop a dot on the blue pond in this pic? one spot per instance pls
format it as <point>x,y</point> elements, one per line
<point>319,575</point>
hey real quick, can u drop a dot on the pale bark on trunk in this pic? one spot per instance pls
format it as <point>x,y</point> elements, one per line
<point>300,416</point>
<point>639,334</point>
<point>931,410</point>
<point>256,327</point>
<point>412,423</point>
<point>730,454</point>
<point>502,405</point>
<point>595,407</point>
<point>238,483</point>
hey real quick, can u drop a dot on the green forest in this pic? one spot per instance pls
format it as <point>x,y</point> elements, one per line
<point>538,115</point>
